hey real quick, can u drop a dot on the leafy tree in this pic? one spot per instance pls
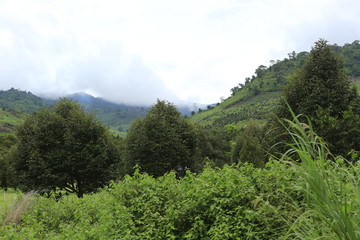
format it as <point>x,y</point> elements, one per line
<point>213,148</point>
<point>64,148</point>
<point>162,141</point>
<point>248,146</point>
<point>260,71</point>
<point>351,53</point>
<point>322,91</point>
<point>6,174</point>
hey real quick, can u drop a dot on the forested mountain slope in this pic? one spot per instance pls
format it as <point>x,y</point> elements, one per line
<point>9,119</point>
<point>15,104</point>
<point>257,97</point>
<point>116,116</point>
<point>21,101</point>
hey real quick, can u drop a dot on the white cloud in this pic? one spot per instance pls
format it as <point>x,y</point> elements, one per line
<point>136,51</point>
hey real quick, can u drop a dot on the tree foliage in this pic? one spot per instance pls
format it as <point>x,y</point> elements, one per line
<point>249,147</point>
<point>322,91</point>
<point>312,199</point>
<point>7,177</point>
<point>162,141</point>
<point>64,148</point>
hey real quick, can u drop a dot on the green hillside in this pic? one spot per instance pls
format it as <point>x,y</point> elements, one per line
<point>257,97</point>
<point>15,103</point>
<point>118,117</point>
<point>14,106</point>
<point>9,119</point>
<point>21,101</point>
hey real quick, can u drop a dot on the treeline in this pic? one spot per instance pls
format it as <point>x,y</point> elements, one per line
<point>316,198</point>
<point>66,149</point>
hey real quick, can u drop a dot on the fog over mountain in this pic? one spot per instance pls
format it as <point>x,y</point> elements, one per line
<point>134,52</point>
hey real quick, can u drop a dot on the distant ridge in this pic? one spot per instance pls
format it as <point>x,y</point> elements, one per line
<point>19,100</point>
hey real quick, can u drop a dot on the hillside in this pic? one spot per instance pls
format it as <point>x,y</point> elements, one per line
<point>22,101</point>
<point>117,117</point>
<point>15,104</point>
<point>257,97</point>
<point>9,119</point>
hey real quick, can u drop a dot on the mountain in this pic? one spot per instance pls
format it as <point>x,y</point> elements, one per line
<point>257,97</point>
<point>116,116</point>
<point>14,106</point>
<point>9,119</point>
<point>253,100</point>
<point>23,101</point>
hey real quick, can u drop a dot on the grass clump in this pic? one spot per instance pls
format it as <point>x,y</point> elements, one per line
<point>7,198</point>
<point>16,209</point>
<point>331,187</point>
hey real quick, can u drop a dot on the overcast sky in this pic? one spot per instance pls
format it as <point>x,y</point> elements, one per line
<point>135,51</point>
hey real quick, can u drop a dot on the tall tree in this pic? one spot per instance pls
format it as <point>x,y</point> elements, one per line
<point>162,141</point>
<point>64,148</point>
<point>322,91</point>
<point>248,145</point>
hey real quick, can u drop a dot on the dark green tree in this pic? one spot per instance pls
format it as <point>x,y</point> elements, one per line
<point>6,174</point>
<point>249,146</point>
<point>161,142</point>
<point>64,149</point>
<point>213,148</point>
<point>322,91</point>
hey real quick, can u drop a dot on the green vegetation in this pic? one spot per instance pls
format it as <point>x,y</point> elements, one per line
<point>14,103</point>
<point>321,91</point>
<point>9,119</point>
<point>258,96</point>
<point>7,198</point>
<point>316,198</point>
<point>20,100</point>
<point>251,170</point>
<point>230,203</point>
<point>162,141</point>
<point>64,149</point>
<point>332,186</point>
<point>118,117</point>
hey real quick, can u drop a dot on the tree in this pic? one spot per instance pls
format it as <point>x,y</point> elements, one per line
<point>213,147</point>
<point>161,142</point>
<point>322,91</point>
<point>64,149</point>
<point>260,71</point>
<point>7,177</point>
<point>248,146</point>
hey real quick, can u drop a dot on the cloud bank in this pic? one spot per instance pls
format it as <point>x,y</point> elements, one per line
<point>137,51</point>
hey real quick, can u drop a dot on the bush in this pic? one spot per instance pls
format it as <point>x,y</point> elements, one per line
<point>233,202</point>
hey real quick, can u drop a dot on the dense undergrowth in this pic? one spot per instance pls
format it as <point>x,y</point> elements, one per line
<point>233,202</point>
<point>314,199</point>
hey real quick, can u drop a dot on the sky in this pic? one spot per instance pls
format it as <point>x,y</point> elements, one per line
<point>136,51</point>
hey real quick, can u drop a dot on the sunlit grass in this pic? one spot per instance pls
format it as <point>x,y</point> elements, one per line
<point>6,199</point>
<point>331,189</point>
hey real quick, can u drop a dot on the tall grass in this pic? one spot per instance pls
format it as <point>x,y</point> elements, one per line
<point>19,206</point>
<point>6,199</point>
<point>331,187</point>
